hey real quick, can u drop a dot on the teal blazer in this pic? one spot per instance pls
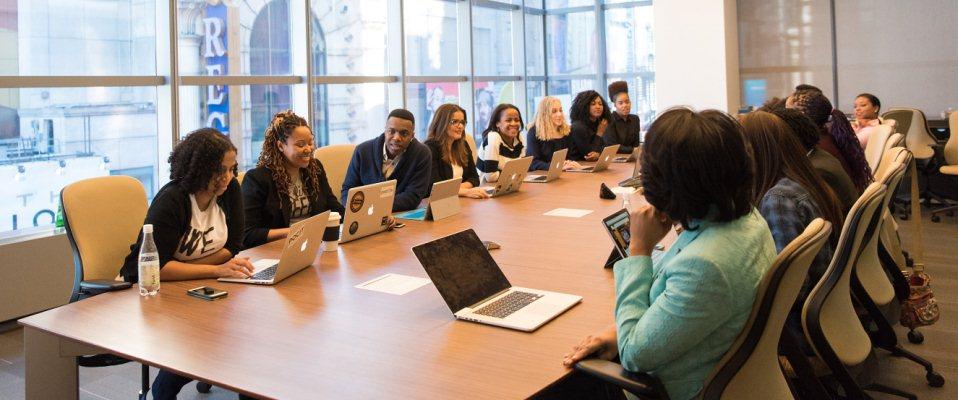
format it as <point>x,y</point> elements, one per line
<point>677,318</point>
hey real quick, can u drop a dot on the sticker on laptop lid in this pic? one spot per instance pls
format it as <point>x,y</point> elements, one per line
<point>387,191</point>
<point>356,203</point>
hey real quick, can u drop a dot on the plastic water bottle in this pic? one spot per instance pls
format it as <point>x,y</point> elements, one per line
<point>626,204</point>
<point>149,264</point>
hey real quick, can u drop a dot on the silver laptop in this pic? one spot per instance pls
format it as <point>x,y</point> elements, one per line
<point>633,156</point>
<point>475,289</point>
<point>511,177</point>
<point>367,210</point>
<point>636,179</point>
<point>299,251</point>
<point>443,202</point>
<point>555,168</point>
<point>602,163</point>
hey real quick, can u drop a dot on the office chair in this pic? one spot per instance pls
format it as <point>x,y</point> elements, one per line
<point>102,217</point>
<point>240,176</point>
<point>829,319</point>
<point>471,141</point>
<point>335,159</point>
<point>750,368</point>
<point>911,122</point>
<point>877,145</point>
<point>947,173</point>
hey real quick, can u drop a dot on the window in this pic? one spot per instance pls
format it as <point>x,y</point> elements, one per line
<point>488,96</point>
<point>432,46</point>
<point>628,40</point>
<point>570,43</point>
<point>424,98</point>
<point>349,38</point>
<point>351,113</point>
<point>492,42</point>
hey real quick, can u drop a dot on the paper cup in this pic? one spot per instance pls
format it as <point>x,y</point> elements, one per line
<point>331,236</point>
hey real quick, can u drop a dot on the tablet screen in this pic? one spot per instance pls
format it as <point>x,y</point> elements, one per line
<point>618,226</point>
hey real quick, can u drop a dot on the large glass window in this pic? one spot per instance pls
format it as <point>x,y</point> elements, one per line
<point>351,113</point>
<point>628,39</point>
<point>432,46</point>
<point>488,96</point>
<point>571,43</point>
<point>349,37</point>
<point>492,42</point>
<point>424,98</point>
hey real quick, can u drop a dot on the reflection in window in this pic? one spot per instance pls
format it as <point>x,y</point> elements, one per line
<point>424,98</point>
<point>488,96</point>
<point>431,45</point>
<point>492,42</point>
<point>628,39</point>
<point>535,59</point>
<point>353,35</point>
<point>571,48</point>
<point>353,114</point>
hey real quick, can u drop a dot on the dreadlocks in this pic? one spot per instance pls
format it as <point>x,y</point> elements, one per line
<point>270,157</point>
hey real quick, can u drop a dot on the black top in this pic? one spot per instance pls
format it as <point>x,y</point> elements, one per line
<point>266,209</point>
<point>411,173</point>
<point>170,214</point>
<point>541,151</point>
<point>442,170</point>
<point>623,132</point>
<point>584,140</point>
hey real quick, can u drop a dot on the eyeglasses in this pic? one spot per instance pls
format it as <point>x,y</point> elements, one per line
<point>458,122</point>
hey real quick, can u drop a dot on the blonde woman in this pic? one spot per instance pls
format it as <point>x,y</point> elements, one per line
<point>548,132</point>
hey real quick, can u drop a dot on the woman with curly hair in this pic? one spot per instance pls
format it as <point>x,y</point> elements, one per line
<point>547,133</point>
<point>288,183</point>
<point>197,223</point>
<point>451,156</point>
<point>837,136</point>
<point>590,117</point>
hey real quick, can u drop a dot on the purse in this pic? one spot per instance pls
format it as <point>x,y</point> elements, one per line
<point>921,308</point>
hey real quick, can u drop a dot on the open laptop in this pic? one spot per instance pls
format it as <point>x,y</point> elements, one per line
<point>636,179</point>
<point>602,163</point>
<point>555,168</point>
<point>299,251</point>
<point>633,156</point>
<point>475,289</point>
<point>443,202</point>
<point>367,210</point>
<point>511,177</point>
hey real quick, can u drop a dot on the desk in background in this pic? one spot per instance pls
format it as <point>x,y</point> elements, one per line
<point>316,336</point>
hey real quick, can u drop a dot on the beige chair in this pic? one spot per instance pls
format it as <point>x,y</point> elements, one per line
<point>950,168</point>
<point>750,368</point>
<point>471,141</point>
<point>877,144</point>
<point>912,123</point>
<point>335,159</point>
<point>240,176</point>
<point>103,217</point>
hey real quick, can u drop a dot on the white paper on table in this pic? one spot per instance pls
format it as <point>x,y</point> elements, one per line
<point>568,212</point>
<point>623,190</point>
<point>394,284</point>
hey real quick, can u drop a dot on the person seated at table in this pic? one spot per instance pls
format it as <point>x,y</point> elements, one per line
<point>867,107</point>
<point>624,128</point>
<point>197,223</point>
<point>501,141</point>
<point>548,132</point>
<point>396,154</point>
<point>451,156</point>
<point>288,184</point>
<point>826,165</point>
<point>590,118</point>
<point>836,135</point>
<point>677,318</point>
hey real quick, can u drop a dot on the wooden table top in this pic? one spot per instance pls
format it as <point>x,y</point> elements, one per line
<point>315,335</point>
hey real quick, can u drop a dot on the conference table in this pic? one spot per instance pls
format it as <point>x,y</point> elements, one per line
<point>315,335</point>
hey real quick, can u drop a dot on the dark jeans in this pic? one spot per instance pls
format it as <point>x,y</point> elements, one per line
<point>580,386</point>
<point>167,385</point>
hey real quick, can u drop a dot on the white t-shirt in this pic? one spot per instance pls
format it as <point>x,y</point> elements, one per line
<point>207,233</point>
<point>456,170</point>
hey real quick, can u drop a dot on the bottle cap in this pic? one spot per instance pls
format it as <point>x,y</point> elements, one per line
<point>148,228</point>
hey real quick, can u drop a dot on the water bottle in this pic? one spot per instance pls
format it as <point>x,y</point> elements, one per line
<point>149,264</point>
<point>626,204</point>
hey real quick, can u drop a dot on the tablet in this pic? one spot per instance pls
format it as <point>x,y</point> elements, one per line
<point>617,225</point>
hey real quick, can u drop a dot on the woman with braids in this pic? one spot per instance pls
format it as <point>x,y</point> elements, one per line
<point>288,183</point>
<point>836,135</point>
<point>590,117</point>
<point>197,224</point>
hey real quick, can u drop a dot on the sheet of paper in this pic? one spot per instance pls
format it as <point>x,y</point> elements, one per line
<point>568,212</point>
<point>623,190</point>
<point>394,284</point>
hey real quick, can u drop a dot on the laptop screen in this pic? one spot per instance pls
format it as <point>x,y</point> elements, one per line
<point>461,268</point>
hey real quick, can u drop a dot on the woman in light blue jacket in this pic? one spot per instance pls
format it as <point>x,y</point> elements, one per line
<point>677,318</point>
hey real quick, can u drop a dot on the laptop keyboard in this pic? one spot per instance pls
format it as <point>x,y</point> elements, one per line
<point>509,304</point>
<point>265,274</point>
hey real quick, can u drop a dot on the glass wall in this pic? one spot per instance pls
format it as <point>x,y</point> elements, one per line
<point>101,87</point>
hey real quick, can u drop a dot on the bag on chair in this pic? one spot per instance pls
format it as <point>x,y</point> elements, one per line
<point>921,308</point>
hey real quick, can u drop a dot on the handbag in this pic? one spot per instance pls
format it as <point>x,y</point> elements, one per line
<point>921,308</point>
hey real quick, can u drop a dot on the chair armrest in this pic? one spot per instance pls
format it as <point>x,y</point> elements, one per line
<point>104,285</point>
<point>642,385</point>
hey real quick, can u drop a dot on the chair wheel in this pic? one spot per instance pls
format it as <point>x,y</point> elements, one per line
<point>916,337</point>
<point>935,379</point>
<point>203,387</point>
<point>935,219</point>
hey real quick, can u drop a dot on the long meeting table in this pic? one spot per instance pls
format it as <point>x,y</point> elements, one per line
<point>314,335</point>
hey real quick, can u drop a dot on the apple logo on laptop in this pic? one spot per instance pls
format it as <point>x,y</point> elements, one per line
<point>513,176</point>
<point>370,211</point>
<point>302,247</point>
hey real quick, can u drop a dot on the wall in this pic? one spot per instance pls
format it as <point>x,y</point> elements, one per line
<point>696,54</point>
<point>35,275</point>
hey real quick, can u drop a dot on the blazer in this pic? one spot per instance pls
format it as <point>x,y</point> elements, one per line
<point>265,209</point>
<point>170,214</point>
<point>677,318</point>
<point>442,170</point>
<point>412,173</point>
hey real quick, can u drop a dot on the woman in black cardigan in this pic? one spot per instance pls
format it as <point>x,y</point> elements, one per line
<point>451,156</point>
<point>288,183</point>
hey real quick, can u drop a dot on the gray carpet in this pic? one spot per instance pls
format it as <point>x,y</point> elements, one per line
<point>940,347</point>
